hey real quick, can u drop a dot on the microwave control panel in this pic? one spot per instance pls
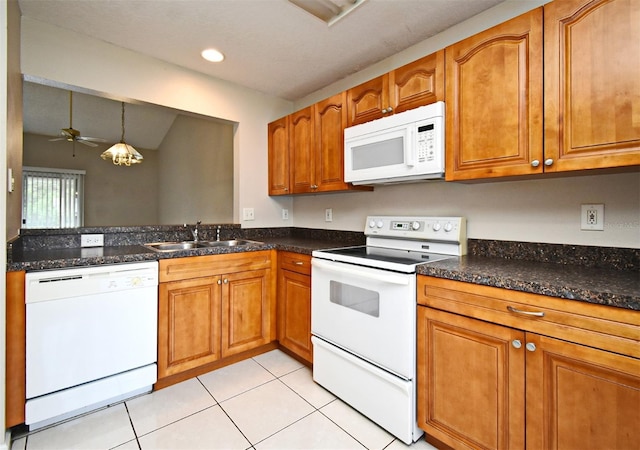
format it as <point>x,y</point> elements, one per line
<point>426,142</point>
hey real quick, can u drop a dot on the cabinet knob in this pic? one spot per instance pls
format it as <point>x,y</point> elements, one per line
<point>516,343</point>
<point>531,346</point>
<point>535,163</point>
<point>387,110</point>
<point>225,281</point>
<point>314,186</point>
<point>548,162</point>
<point>219,281</point>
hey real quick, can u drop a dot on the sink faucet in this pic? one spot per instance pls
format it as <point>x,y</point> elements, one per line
<point>194,232</point>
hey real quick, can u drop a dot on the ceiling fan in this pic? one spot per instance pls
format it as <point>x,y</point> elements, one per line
<point>72,135</point>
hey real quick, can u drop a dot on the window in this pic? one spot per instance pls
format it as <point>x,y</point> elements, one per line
<point>52,198</point>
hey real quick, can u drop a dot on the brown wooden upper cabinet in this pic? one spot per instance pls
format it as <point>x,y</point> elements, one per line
<point>418,83</point>
<point>278,142</point>
<point>494,101</point>
<point>591,84</point>
<point>306,150</point>
<point>301,150</point>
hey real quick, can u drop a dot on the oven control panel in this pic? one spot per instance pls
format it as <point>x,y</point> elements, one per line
<point>451,229</point>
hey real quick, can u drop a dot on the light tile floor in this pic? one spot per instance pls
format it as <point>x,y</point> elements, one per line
<point>266,402</point>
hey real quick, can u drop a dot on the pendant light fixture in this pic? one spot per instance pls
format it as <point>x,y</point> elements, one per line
<point>122,153</point>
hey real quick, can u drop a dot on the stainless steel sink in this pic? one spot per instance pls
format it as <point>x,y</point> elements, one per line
<point>190,245</point>
<point>172,246</point>
<point>228,243</point>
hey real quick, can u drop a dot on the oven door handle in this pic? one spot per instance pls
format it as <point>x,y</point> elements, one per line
<point>381,276</point>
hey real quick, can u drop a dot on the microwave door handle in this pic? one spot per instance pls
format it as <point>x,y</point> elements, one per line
<point>410,147</point>
<point>380,277</point>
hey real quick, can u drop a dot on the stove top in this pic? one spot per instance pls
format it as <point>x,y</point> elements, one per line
<point>384,258</point>
<point>400,243</point>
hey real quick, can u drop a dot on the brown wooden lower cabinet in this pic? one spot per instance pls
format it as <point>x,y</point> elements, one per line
<point>294,304</point>
<point>16,346</point>
<point>212,308</point>
<point>485,385</point>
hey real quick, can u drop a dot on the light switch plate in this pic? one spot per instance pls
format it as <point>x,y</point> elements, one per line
<point>248,214</point>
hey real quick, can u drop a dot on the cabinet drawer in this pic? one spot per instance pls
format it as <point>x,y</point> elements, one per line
<point>202,266</point>
<point>295,262</point>
<point>605,327</point>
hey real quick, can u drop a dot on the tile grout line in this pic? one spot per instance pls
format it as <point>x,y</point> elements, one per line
<point>135,434</point>
<point>251,445</point>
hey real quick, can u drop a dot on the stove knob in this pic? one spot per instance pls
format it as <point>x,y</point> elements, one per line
<point>436,226</point>
<point>448,227</point>
<point>415,225</point>
<point>379,224</point>
<point>372,223</point>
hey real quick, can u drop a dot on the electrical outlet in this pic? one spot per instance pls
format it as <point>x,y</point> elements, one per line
<point>248,214</point>
<point>92,240</point>
<point>285,214</point>
<point>592,217</point>
<point>328,215</point>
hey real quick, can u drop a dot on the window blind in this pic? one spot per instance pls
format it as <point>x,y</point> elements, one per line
<point>52,198</point>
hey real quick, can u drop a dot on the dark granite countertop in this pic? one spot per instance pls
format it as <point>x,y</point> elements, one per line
<point>620,288</point>
<point>612,287</point>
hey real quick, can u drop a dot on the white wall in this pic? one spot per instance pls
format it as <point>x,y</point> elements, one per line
<point>10,151</point>
<point>544,210</point>
<point>127,75</point>
<point>196,172</point>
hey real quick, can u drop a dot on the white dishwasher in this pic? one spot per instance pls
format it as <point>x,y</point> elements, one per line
<point>91,338</point>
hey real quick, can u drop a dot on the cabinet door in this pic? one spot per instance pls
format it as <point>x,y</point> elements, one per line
<point>279,183</point>
<point>294,313</point>
<point>470,381</point>
<point>246,311</point>
<point>418,83</point>
<point>494,101</point>
<point>367,101</point>
<point>592,88</point>
<point>301,151</point>
<point>330,122</point>
<point>580,397</point>
<point>188,324</point>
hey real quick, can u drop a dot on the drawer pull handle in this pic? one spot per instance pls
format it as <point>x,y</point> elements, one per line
<point>526,313</point>
<point>298,263</point>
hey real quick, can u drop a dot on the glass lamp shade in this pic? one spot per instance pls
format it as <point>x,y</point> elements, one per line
<point>122,154</point>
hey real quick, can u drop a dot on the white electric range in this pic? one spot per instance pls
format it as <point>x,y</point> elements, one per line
<point>363,315</point>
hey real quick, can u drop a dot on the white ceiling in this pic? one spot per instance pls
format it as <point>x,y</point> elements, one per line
<point>270,45</point>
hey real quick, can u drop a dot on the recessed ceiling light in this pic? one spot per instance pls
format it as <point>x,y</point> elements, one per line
<point>213,55</point>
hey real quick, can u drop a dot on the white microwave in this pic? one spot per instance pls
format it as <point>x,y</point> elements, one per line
<point>408,146</point>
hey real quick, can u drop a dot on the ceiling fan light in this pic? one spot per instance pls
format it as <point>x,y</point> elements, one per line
<point>122,154</point>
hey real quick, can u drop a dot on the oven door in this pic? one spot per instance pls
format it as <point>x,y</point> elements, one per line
<point>368,312</point>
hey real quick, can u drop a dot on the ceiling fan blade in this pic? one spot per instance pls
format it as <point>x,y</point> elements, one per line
<point>85,142</point>
<point>58,139</point>
<point>92,139</point>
